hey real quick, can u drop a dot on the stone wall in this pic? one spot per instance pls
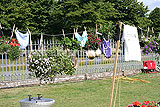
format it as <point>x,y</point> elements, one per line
<point>60,79</point>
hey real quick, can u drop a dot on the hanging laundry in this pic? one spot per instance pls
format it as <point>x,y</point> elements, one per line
<point>91,54</point>
<point>23,39</point>
<point>98,52</point>
<point>82,39</point>
<point>131,46</point>
<point>106,48</point>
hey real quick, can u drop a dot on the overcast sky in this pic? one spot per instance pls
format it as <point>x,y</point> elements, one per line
<point>152,4</point>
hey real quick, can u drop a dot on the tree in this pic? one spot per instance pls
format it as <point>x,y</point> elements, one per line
<point>155,17</point>
<point>71,14</point>
<point>15,12</point>
<point>31,13</point>
<point>50,16</point>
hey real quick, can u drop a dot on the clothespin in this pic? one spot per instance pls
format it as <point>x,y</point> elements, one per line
<point>152,30</point>
<point>120,27</point>
<point>101,27</point>
<point>16,28</point>
<point>13,28</point>
<point>148,31</point>
<point>73,33</point>
<point>84,28</point>
<point>30,39</point>
<point>96,28</point>
<point>0,26</point>
<point>63,33</point>
<point>133,25</point>
<point>29,32</point>
<point>76,30</point>
<point>97,33</point>
<point>12,32</point>
<point>108,33</point>
<point>148,28</point>
<point>1,31</point>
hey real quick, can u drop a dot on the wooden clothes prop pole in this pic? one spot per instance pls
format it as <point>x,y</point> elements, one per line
<point>115,66</point>
<point>117,88</point>
<point>30,39</point>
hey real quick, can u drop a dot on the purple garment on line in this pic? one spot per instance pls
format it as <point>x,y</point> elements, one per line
<point>106,48</point>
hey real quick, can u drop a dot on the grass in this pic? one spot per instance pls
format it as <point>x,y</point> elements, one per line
<point>90,93</point>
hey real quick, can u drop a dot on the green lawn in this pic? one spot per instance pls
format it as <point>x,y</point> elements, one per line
<point>90,93</point>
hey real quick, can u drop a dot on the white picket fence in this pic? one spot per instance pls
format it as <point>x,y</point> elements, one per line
<point>18,69</point>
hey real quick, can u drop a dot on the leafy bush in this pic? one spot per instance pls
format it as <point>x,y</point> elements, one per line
<point>70,43</point>
<point>4,47</point>
<point>52,62</point>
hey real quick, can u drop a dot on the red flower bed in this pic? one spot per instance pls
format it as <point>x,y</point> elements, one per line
<point>144,104</point>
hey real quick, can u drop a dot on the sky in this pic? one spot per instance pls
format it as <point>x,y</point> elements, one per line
<point>152,4</point>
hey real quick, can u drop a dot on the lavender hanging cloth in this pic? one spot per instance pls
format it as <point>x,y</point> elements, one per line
<point>106,48</point>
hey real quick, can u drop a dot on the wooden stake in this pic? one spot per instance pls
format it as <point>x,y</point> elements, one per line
<point>114,104</point>
<point>115,65</point>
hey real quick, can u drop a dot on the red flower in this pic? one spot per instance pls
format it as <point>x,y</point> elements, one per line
<point>18,44</point>
<point>14,45</point>
<point>136,103</point>
<point>11,43</point>
<point>13,40</point>
<point>146,102</point>
<point>1,37</point>
<point>17,41</point>
<point>7,42</point>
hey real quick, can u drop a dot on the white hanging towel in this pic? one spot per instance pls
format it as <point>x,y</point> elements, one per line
<point>23,39</point>
<point>131,46</point>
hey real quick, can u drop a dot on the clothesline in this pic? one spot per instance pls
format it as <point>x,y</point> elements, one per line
<point>49,34</point>
<point>46,34</point>
<point>60,34</point>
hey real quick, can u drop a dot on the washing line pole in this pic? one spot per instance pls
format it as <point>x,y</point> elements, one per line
<point>115,65</point>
